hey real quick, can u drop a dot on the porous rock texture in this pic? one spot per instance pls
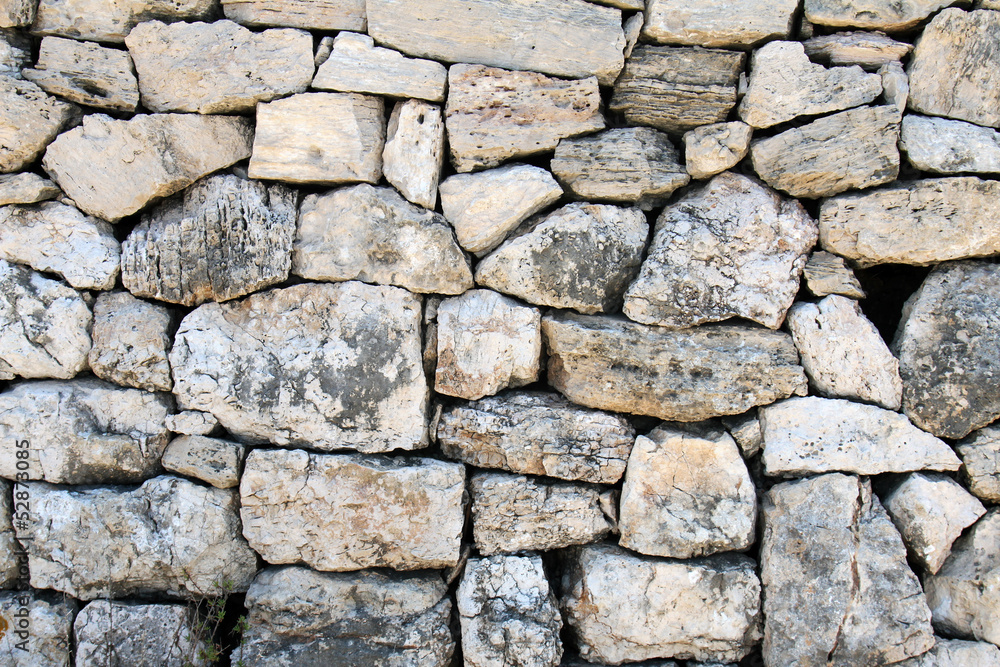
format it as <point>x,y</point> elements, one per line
<point>40,630</point>
<point>119,633</point>
<point>131,341</point>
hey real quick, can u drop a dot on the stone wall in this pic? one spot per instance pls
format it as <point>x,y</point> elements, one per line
<point>499,332</point>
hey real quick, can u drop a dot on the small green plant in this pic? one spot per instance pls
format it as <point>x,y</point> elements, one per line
<point>208,613</point>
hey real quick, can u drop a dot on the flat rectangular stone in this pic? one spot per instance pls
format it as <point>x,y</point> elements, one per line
<point>86,73</point>
<point>326,15</point>
<point>103,21</point>
<point>718,23</point>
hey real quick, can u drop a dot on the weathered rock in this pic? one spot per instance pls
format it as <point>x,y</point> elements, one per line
<point>356,65</point>
<point>486,342</point>
<point>948,346</point>
<point>301,617</point>
<point>850,149</point>
<point>571,38</point>
<point>167,536</point>
<point>508,613</point>
<point>131,341</point>
<point>193,422</point>
<point>810,435</point>
<point>40,628</point>
<point>218,462</point>
<point>784,85</point>
<point>15,51</point>
<point>624,607</point>
<point>949,146</point>
<point>964,595</point>
<point>677,89</point>
<point>837,589</point>
<point>687,493</point>
<point>414,151</point>
<point>26,188</point>
<point>373,234</point>
<point>84,431</point>
<point>612,364</point>
<point>635,165</point>
<point>328,366</point>
<point>826,273</point>
<point>514,513</point>
<point>217,67</point>
<point>30,119</point>
<point>128,633</point>
<point>9,565</point>
<point>870,50</point>
<point>17,13</point>
<point>112,168</point>
<point>955,67</point>
<point>931,511</point>
<point>323,138</point>
<point>980,454</point>
<point>745,430</point>
<point>843,353</point>
<point>325,15</point>
<point>320,509</point>
<point>220,239</point>
<point>712,149</point>
<point>891,15</point>
<point>956,653</point>
<point>100,21</point>
<point>895,86</point>
<point>44,326</point>
<point>537,433</point>
<point>732,248</point>
<point>86,73</point>
<point>484,207</point>
<point>581,256</point>
<point>493,114</point>
<point>717,23</point>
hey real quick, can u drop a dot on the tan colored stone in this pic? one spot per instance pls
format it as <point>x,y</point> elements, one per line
<point>947,146</point>
<point>131,342</point>
<point>327,15</point>
<point>712,149</point>
<point>826,273</point>
<point>980,453</point>
<point>891,15</point>
<point>218,462</point>
<point>26,188</point>
<point>102,21</point>
<point>414,151</point>
<point>86,73</point>
<point>193,422</point>
<point>745,430</point>
<point>17,13</point>
<point>870,50</point>
<point>30,119</point>
<point>718,23</point>
<point>895,86</point>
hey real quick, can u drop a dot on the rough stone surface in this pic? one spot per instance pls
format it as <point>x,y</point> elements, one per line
<point>86,73</point>
<point>486,342</point>
<point>301,617</point>
<point>328,366</point>
<point>895,86</point>
<point>870,50</point>
<point>931,511</point>
<point>571,38</point>
<point>15,51</point>
<point>44,326</point>
<point>745,430</point>
<point>26,188</point>
<point>712,149</point>
<point>536,433</point>
<point>131,341</point>
<point>17,13</point>
<point>193,422</point>
<point>514,513</point>
<point>113,168</point>
<point>948,346</point>
<point>9,565</point>
<point>218,462</point>
<point>892,15</point>
<point>850,149</point>
<point>717,23</point>
<point>956,653</point>
<point>612,364</point>
<point>84,431</point>
<point>324,138</point>
<point>167,536</point>
<point>100,21</point>
<point>624,607</point>
<point>980,454</point>
<point>372,234</point>
<point>325,15</point>
<point>784,85</point>
<point>49,633</point>
<point>955,67</point>
<point>414,151</point>
<point>127,633</point>
<point>581,256</point>
<point>826,274</point>
<point>217,67</point>
<point>677,89</point>
<point>494,114</point>
<point>843,353</point>
<point>30,119</point>
<point>508,613</point>
<point>486,206</point>
<point>319,509</point>
<point>687,493</point>
<point>631,165</point>
<point>810,435</point>
<point>947,146</point>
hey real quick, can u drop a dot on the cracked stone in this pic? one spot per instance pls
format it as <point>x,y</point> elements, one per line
<point>193,422</point>
<point>132,339</point>
<point>127,633</point>
<point>712,149</point>
<point>980,453</point>
<point>218,462</point>
<point>50,624</point>
<point>826,274</point>
<point>86,73</point>
<point>30,119</point>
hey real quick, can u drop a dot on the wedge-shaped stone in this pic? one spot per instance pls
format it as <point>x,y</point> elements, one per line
<point>414,151</point>
<point>895,86</point>
<point>870,50</point>
<point>30,119</point>
<point>319,138</point>
<point>514,513</point>
<point>784,85</point>
<point>712,149</point>
<point>50,624</point>
<point>220,239</point>
<point>850,149</point>
<point>100,21</point>
<point>626,608</point>
<point>373,234</point>
<point>218,462</point>
<point>581,256</point>
<point>717,23</point>
<point>837,588</point>
<point>108,632</point>
<point>745,430</point>
<point>26,188</point>
<point>298,616</point>
<point>131,342</point>
<point>320,509</point>
<point>17,13</point>
<point>892,15</point>
<point>687,493</point>
<point>86,73</point>
<point>732,248</point>
<point>947,146</point>
<point>59,239</point>
<point>635,165</point>
<point>536,433</point>
<point>980,454</point>
<point>326,15</point>
<point>328,366</point>
<point>810,435</point>
<point>677,89</point>
<point>113,168</point>
<point>494,114</point>
<point>688,375</point>
<point>826,273</point>
<point>956,653</point>
<point>570,38</point>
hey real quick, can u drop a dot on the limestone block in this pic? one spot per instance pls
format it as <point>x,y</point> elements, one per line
<point>947,146</point>
<point>48,632</point>
<point>891,15</point>
<point>980,454</point>
<point>712,149</point>
<point>414,151</point>
<point>717,23</point>
<point>870,50</point>
<point>218,462</point>
<point>131,341</point>
<point>193,422</point>
<point>100,21</point>
<point>30,119</point>
<point>325,15</point>
<point>120,633</point>
<point>26,188</point>
<point>86,73</point>
<point>826,273</point>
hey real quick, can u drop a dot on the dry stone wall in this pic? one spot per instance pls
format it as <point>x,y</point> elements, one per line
<point>522,333</point>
